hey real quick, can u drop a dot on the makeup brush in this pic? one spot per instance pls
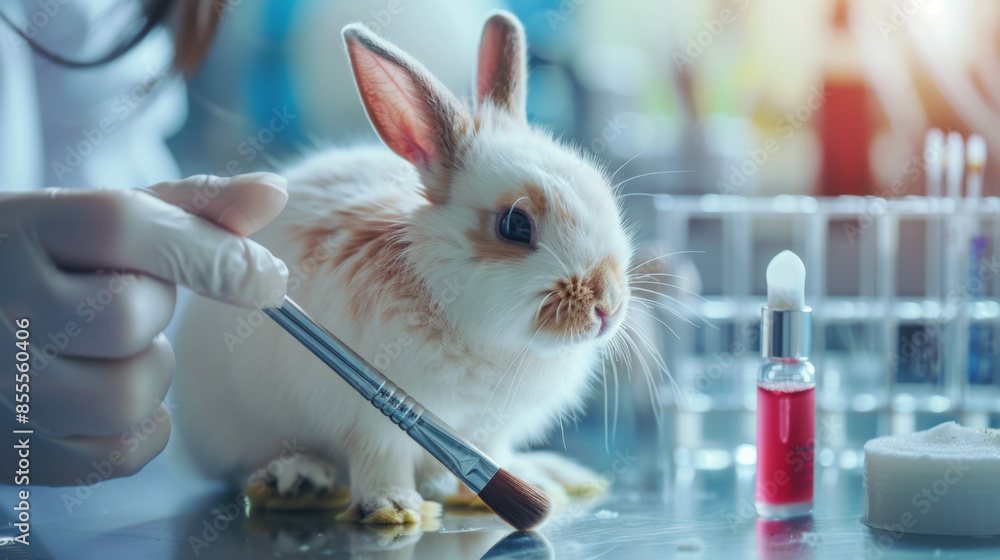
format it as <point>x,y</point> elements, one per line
<point>515,501</point>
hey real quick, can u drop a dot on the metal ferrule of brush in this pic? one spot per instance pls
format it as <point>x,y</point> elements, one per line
<point>786,333</point>
<point>472,467</point>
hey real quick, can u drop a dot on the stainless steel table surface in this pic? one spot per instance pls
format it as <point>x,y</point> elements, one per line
<point>655,509</point>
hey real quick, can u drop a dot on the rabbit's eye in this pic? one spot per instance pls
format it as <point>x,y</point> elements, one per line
<point>515,225</point>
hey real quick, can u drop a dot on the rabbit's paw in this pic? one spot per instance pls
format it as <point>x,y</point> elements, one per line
<point>303,482</point>
<point>305,475</point>
<point>393,506</point>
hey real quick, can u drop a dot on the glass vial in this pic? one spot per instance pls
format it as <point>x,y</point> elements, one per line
<point>786,428</point>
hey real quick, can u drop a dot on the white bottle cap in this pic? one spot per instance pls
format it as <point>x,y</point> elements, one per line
<point>786,322</point>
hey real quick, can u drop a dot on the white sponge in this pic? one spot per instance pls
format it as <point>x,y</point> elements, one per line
<point>943,481</point>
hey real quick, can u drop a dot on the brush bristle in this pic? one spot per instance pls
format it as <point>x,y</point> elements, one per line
<point>515,501</point>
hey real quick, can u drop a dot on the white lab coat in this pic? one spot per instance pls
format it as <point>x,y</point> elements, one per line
<point>85,128</point>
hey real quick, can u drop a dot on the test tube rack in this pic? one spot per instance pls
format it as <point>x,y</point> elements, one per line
<point>889,282</point>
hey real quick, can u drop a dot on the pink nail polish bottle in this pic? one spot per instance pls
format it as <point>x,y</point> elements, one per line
<point>786,395</point>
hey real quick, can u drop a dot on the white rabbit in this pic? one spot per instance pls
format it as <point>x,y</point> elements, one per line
<point>479,264</point>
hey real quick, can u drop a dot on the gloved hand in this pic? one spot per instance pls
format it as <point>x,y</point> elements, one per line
<point>94,275</point>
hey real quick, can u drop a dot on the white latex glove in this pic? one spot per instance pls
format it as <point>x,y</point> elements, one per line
<point>100,366</point>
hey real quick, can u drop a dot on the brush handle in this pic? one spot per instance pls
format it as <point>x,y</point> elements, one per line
<point>469,464</point>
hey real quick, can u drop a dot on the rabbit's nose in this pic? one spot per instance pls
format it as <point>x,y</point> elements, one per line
<point>607,308</point>
<point>605,313</point>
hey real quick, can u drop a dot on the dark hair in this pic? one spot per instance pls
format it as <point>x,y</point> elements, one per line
<point>199,21</point>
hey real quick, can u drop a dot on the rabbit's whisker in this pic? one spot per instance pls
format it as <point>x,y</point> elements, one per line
<point>649,304</point>
<point>672,286</point>
<point>619,185</point>
<point>666,307</point>
<point>663,256</point>
<point>622,166</point>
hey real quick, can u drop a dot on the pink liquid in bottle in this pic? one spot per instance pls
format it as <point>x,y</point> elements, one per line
<point>785,443</point>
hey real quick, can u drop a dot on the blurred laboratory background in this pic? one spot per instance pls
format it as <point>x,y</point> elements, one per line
<point>838,93</point>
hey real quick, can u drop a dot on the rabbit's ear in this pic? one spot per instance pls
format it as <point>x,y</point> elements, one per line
<point>413,113</point>
<point>502,69</point>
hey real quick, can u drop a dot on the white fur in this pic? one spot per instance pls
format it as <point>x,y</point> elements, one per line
<point>487,374</point>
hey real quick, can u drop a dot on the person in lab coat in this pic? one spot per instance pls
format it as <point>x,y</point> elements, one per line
<point>97,231</point>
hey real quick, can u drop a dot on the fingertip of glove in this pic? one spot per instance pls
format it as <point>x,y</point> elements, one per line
<point>266,282</point>
<point>273,180</point>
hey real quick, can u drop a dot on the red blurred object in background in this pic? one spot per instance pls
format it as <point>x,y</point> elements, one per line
<point>845,126</point>
<point>845,136</point>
